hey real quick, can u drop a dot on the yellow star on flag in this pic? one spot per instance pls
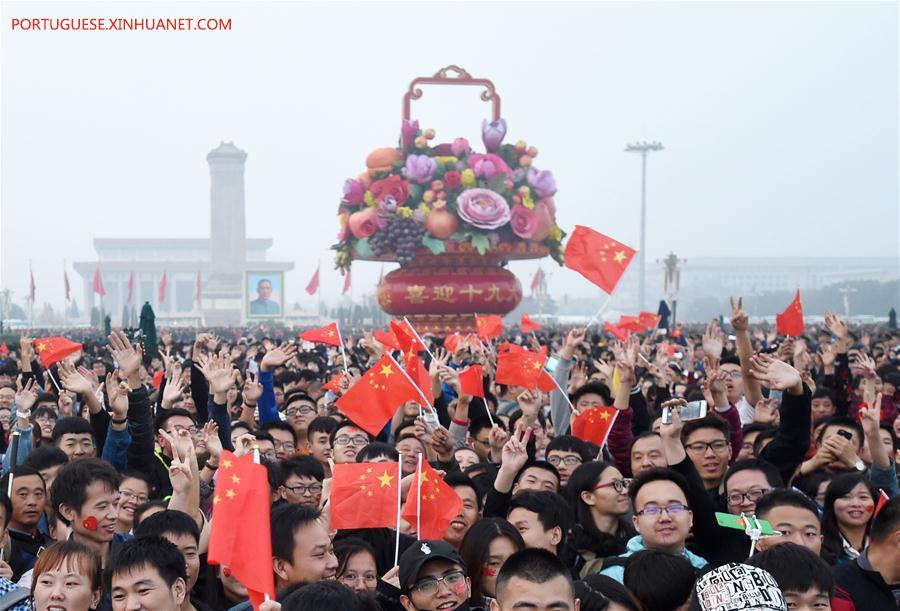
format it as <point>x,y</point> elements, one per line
<point>235,479</point>
<point>226,464</point>
<point>387,370</point>
<point>230,493</point>
<point>604,415</point>
<point>619,256</point>
<point>385,479</point>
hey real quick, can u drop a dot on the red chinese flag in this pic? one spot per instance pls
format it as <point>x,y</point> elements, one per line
<point>130,285</point>
<point>649,319</point>
<point>241,537</point>
<point>790,322</point>
<point>407,337</point>
<point>593,425</point>
<point>616,331</point>
<point>419,374</point>
<point>346,284</point>
<point>631,323</point>
<point>374,399</point>
<point>313,285</point>
<point>98,283</point>
<point>53,349</point>
<point>387,338</point>
<point>883,498</point>
<point>488,327</point>
<point>545,382</point>
<point>4,349</point>
<point>162,288</point>
<point>519,368</point>
<point>536,280</point>
<point>451,341</point>
<point>334,383</point>
<point>529,325</point>
<point>364,495</point>
<point>326,335</point>
<point>437,505</point>
<point>471,381</point>
<point>509,347</point>
<point>597,257</point>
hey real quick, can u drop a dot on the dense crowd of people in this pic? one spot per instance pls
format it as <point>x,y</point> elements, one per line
<point>112,461</point>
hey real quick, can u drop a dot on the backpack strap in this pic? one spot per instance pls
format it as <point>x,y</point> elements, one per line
<point>14,597</point>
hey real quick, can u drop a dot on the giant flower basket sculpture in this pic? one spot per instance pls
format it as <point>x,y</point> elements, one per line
<point>452,216</point>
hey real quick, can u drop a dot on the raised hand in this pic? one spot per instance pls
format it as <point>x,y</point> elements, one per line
<point>442,442</point>
<point>180,471</point>
<point>866,366</point>
<point>450,377</point>
<point>574,337</point>
<point>870,417</point>
<point>776,374</point>
<point>766,413</point>
<point>26,394</point>
<point>836,325</point>
<point>65,403</point>
<point>529,402</point>
<point>127,356</point>
<point>117,396</point>
<point>174,390</point>
<point>441,358</point>
<point>276,357</point>
<point>514,454</point>
<point>713,343</point>
<point>252,389</point>
<point>26,350</point>
<point>578,376</point>
<point>739,319</point>
<point>181,443</point>
<point>73,380</point>
<point>672,430</point>
<point>828,354</point>
<point>209,437</point>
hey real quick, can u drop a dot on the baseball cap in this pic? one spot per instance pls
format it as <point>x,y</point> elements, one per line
<point>416,555</point>
<point>738,587</point>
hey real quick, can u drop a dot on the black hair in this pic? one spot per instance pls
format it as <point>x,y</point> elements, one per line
<point>657,474</point>
<point>240,424</point>
<point>45,457</point>
<point>597,591</point>
<point>842,422</point>
<point>781,497</point>
<point>596,388</point>
<point>711,421</point>
<point>141,509</point>
<point>823,392</point>
<point>135,474</point>
<point>325,596</point>
<point>569,443</point>
<point>476,425</point>
<point>840,485</point>
<point>71,483</point>
<point>168,521</point>
<point>297,395</point>
<point>642,576</point>
<point>755,464</point>
<point>887,522</point>
<point>21,471</point>
<point>346,548</point>
<point>730,360</point>
<point>343,425</point>
<point>475,550</point>
<point>263,436</point>
<point>458,478</point>
<point>762,438</point>
<point>281,425</point>
<point>403,424</point>
<point>164,414</point>
<point>376,449</point>
<point>302,466</point>
<point>538,464</point>
<point>795,568</point>
<point>286,519</point>
<point>585,534</point>
<point>74,425</point>
<point>7,508</point>
<point>533,565</point>
<point>321,424</point>
<point>755,427</point>
<point>552,510</point>
<point>149,552</point>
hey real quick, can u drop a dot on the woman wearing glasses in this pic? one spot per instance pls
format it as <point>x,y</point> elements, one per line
<point>356,565</point>
<point>484,550</point>
<point>599,494</point>
<point>134,491</point>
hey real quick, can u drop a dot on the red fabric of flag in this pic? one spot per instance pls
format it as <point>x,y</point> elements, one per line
<point>593,425</point>
<point>334,384</point>
<point>631,323</point>
<point>241,537</point>
<point>387,338</point>
<point>162,288</point>
<point>364,495</point>
<point>536,280</point>
<point>313,285</point>
<point>328,334</point>
<point>545,382</point>
<point>346,284</point>
<point>53,349</point>
<point>406,337</point>
<point>790,322</point>
<point>519,368</point>
<point>4,349</point>
<point>509,347</point>
<point>437,505</point>
<point>529,325</point>
<point>419,374</point>
<point>374,399</point>
<point>471,381</point>
<point>98,283</point>
<point>488,327</point>
<point>616,331</point>
<point>649,319</point>
<point>598,257</point>
<point>883,499</point>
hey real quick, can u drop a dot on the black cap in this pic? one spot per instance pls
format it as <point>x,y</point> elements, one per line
<point>420,552</point>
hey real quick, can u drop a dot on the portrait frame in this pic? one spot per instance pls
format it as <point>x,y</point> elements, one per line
<point>254,306</point>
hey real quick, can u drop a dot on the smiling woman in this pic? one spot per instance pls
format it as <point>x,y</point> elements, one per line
<point>67,576</point>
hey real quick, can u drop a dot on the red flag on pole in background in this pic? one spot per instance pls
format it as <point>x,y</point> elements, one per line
<point>519,368</point>
<point>416,369</point>
<point>162,287</point>
<point>438,504</point>
<point>387,338</point>
<point>334,383</point>
<point>790,322</point>
<point>328,334</point>
<point>529,325</point>
<point>407,337</point>
<point>631,323</point>
<point>241,535</point>
<point>130,286</point>
<point>471,381</point>
<point>4,350</point>
<point>98,283</point>
<point>616,331</point>
<point>346,284</point>
<point>488,327</point>
<point>66,285</point>
<point>364,495</point>
<point>53,349</point>
<point>598,257</point>
<point>594,424</point>
<point>536,280</point>
<point>545,382</point>
<point>313,285</point>
<point>374,399</point>
<point>649,319</point>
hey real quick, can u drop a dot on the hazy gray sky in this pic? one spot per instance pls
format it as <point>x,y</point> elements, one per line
<point>780,122</point>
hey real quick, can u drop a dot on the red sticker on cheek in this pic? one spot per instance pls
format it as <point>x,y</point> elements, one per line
<point>870,508</point>
<point>459,588</point>
<point>489,572</point>
<point>89,523</point>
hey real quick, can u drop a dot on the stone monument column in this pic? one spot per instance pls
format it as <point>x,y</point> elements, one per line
<point>223,298</point>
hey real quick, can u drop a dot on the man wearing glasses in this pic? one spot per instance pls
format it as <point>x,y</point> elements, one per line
<point>433,577</point>
<point>303,477</point>
<point>707,444</point>
<point>566,453</point>
<point>299,411</point>
<point>347,440</point>
<point>662,518</point>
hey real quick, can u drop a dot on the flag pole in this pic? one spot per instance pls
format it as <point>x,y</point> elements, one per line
<point>564,394</point>
<point>343,354</point>
<point>418,337</point>
<point>66,300</point>
<point>30,295</point>
<point>419,501</point>
<point>416,386</point>
<point>596,317</point>
<point>397,538</point>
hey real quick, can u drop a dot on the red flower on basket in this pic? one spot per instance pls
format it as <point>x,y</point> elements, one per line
<point>392,186</point>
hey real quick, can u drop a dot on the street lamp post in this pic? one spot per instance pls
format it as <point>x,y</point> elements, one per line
<point>643,148</point>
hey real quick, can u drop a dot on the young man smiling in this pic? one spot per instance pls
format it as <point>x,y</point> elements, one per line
<point>432,577</point>
<point>536,580</point>
<point>147,574</point>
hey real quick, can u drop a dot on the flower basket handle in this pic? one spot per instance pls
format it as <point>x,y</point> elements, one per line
<point>459,77</point>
